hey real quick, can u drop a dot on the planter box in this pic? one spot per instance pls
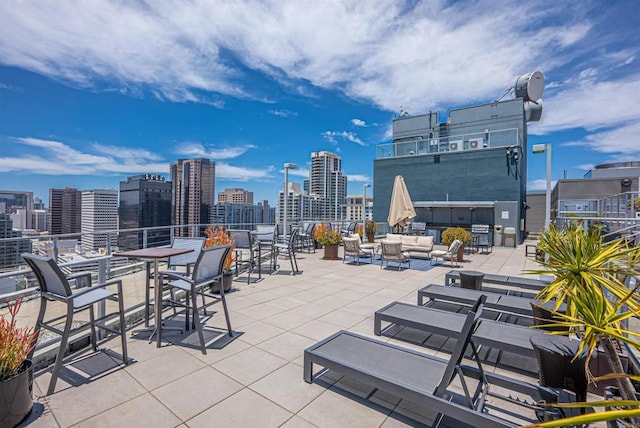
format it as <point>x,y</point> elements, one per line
<point>16,396</point>
<point>600,366</point>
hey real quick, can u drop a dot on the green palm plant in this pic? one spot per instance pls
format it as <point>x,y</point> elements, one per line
<point>589,279</point>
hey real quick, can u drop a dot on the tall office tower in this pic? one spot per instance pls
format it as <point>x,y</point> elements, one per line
<point>99,212</point>
<point>193,192</point>
<point>145,201</point>
<point>235,196</point>
<point>64,211</point>
<point>328,184</point>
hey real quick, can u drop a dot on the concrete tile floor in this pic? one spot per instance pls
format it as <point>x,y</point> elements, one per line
<point>256,379</point>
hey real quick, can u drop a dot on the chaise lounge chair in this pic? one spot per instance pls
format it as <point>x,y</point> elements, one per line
<point>420,378</point>
<point>494,334</point>
<point>495,302</point>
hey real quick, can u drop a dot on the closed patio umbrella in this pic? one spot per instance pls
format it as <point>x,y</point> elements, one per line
<point>401,209</point>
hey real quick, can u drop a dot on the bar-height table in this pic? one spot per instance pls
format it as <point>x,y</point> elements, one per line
<point>156,254</point>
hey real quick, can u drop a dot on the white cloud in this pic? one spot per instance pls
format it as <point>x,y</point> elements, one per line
<point>283,113</point>
<point>237,173</point>
<point>194,149</point>
<point>349,136</point>
<point>390,52</point>
<point>358,178</point>
<point>590,104</point>
<point>126,152</point>
<point>622,140</point>
<point>540,184</point>
<point>57,158</point>
<point>358,122</point>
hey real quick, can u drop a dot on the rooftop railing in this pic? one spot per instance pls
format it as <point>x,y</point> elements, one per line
<point>419,145</point>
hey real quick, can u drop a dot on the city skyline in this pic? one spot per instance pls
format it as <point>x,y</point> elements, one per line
<point>91,93</point>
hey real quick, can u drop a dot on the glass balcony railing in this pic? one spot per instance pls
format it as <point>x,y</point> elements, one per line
<point>417,146</point>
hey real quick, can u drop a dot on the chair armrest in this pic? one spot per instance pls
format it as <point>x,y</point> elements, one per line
<point>175,275</point>
<point>80,275</point>
<point>117,282</point>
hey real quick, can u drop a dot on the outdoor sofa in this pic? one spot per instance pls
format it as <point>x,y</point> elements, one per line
<point>419,247</point>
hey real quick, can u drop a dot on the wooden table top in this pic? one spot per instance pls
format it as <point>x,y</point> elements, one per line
<point>153,253</point>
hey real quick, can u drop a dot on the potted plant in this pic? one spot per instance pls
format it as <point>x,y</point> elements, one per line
<point>16,372</point>
<point>217,235</point>
<point>589,280</point>
<point>370,228</point>
<point>451,234</point>
<point>329,239</point>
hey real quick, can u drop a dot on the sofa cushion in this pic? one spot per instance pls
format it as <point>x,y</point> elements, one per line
<point>425,241</point>
<point>394,237</point>
<point>409,240</point>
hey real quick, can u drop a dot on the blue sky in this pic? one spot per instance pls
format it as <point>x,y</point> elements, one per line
<point>94,91</point>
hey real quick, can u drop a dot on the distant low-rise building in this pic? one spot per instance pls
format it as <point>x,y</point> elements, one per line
<point>235,196</point>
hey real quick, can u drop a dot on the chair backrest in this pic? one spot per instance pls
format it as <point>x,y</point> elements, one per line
<point>263,228</point>
<point>292,238</point>
<point>470,323</point>
<point>52,280</point>
<point>308,228</point>
<point>391,249</point>
<point>242,239</point>
<point>351,245</point>
<point>186,259</point>
<point>455,245</point>
<point>210,263</point>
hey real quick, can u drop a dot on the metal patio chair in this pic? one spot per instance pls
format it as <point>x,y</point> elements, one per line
<point>288,249</point>
<point>54,286</point>
<point>391,251</point>
<point>450,253</point>
<point>184,261</point>
<point>208,269</point>
<point>352,249</point>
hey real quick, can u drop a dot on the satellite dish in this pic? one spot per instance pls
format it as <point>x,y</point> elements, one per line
<point>530,86</point>
<point>533,110</point>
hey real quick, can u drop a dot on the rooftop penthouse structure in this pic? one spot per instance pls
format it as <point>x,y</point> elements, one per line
<point>467,168</point>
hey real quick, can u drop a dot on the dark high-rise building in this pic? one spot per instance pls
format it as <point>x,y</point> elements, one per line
<point>65,211</point>
<point>193,192</point>
<point>145,201</point>
<point>12,200</point>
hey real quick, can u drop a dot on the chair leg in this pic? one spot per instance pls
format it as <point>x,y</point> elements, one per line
<point>226,314</point>
<point>43,308</point>
<point>92,326</point>
<point>146,295</point>
<point>63,346</point>
<point>123,327</point>
<point>196,319</point>
<point>291,258</point>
